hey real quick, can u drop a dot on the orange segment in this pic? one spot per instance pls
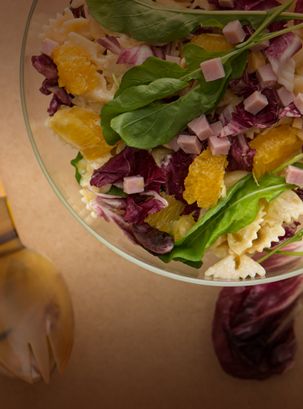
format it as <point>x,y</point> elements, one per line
<point>81,128</point>
<point>76,71</point>
<point>204,181</point>
<point>273,148</point>
<point>212,42</point>
<point>164,219</point>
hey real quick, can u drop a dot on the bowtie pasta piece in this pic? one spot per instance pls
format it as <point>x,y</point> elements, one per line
<point>286,208</point>
<point>235,268</point>
<point>243,239</point>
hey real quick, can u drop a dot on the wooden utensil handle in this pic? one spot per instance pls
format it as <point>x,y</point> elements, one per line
<point>9,239</point>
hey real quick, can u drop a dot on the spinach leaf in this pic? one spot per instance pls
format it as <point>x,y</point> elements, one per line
<point>75,163</point>
<point>158,123</point>
<point>134,98</point>
<point>116,191</point>
<point>154,23</point>
<point>236,211</point>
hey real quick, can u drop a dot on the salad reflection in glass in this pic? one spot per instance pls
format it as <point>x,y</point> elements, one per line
<point>188,122</point>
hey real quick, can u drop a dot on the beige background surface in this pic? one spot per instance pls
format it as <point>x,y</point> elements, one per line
<point>142,341</point>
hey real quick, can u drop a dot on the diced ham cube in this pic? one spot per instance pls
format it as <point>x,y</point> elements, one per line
<point>226,4</point>
<point>212,69</point>
<point>133,184</point>
<point>216,128</point>
<point>48,46</point>
<point>266,76</point>
<point>255,102</point>
<point>294,176</point>
<point>201,127</point>
<point>173,58</point>
<point>190,144</point>
<point>173,145</point>
<point>298,101</point>
<point>285,96</point>
<point>233,32</point>
<point>219,146</point>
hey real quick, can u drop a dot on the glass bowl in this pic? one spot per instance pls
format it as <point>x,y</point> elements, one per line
<point>54,158</point>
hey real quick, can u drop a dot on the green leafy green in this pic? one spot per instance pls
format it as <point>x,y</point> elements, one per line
<point>75,163</point>
<point>237,210</point>
<point>116,191</point>
<point>276,250</point>
<point>154,23</point>
<point>136,97</point>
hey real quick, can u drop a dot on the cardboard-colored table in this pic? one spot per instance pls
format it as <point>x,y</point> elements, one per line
<point>142,341</point>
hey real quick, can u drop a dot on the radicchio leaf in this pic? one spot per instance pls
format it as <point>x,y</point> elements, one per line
<point>246,85</point>
<point>112,209</point>
<point>269,115</point>
<point>130,162</point>
<point>152,239</point>
<point>249,4</point>
<point>78,12</point>
<point>176,172</point>
<point>110,43</point>
<point>135,55</point>
<point>241,156</point>
<point>139,206</point>
<point>45,66</point>
<point>253,328</point>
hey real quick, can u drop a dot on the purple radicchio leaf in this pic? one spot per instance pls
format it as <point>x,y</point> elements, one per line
<point>249,4</point>
<point>139,206</point>
<point>242,120</point>
<point>246,85</point>
<point>112,209</point>
<point>240,156</point>
<point>176,172</point>
<point>45,66</point>
<point>110,43</point>
<point>130,162</point>
<point>253,328</point>
<point>78,12</point>
<point>291,111</point>
<point>281,49</point>
<point>135,55</point>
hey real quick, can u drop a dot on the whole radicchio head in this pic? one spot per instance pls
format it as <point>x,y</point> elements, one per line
<point>253,328</point>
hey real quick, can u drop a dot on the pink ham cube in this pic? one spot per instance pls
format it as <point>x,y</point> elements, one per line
<point>226,4</point>
<point>190,144</point>
<point>216,128</point>
<point>201,127</point>
<point>133,184</point>
<point>255,102</point>
<point>285,96</point>
<point>233,32</point>
<point>294,176</point>
<point>212,69</point>
<point>298,101</point>
<point>219,146</point>
<point>266,76</point>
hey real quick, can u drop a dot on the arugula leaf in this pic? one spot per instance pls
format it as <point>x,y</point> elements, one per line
<point>154,23</point>
<point>75,163</point>
<point>158,123</point>
<point>276,250</point>
<point>134,98</point>
<point>236,211</point>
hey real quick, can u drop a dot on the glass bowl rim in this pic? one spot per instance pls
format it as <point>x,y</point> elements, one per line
<point>132,259</point>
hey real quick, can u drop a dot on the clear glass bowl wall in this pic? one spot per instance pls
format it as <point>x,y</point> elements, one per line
<point>54,158</point>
